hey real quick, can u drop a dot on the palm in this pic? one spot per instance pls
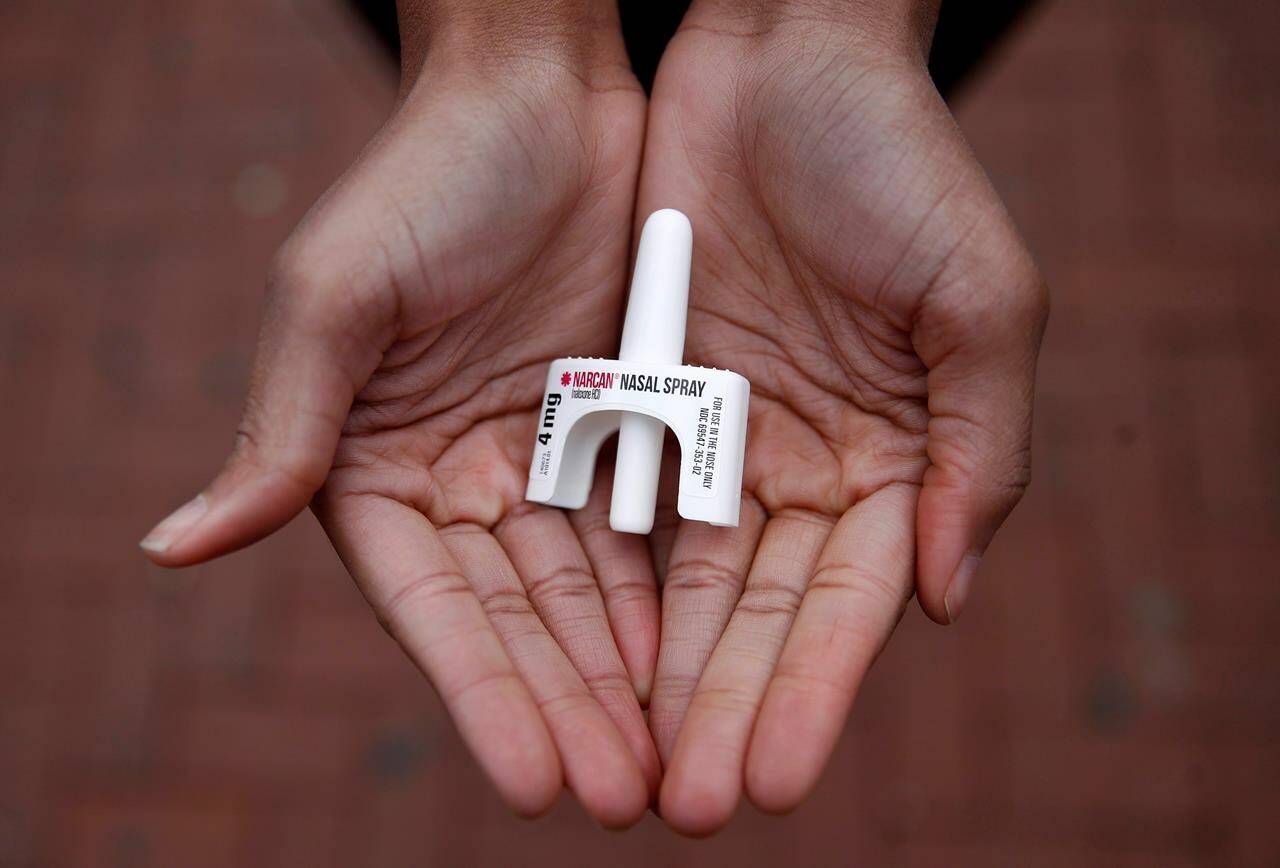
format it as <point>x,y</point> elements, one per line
<point>826,200</point>
<point>444,420</point>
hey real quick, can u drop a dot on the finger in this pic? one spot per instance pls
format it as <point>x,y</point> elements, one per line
<point>851,605</point>
<point>624,570</point>
<point>704,580</point>
<point>981,352</point>
<point>318,346</point>
<point>703,783</point>
<point>420,594</point>
<point>665,517</point>
<point>598,764</point>
<point>557,577</point>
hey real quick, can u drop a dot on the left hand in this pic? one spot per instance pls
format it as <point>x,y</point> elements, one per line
<point>852,261</point>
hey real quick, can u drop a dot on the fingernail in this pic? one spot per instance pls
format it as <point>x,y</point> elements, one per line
<point>173,528</point>
<point>961,583</point>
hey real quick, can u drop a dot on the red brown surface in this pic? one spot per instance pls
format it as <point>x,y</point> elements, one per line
<point>1112,696</point>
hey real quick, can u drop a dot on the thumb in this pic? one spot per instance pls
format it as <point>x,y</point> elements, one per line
<point>980,344</point>
<point>319,344</point>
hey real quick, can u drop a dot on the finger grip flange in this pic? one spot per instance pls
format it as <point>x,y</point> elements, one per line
<point>640,393</point>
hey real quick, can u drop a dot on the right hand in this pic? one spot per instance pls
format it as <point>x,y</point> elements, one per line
<point>410,319</point>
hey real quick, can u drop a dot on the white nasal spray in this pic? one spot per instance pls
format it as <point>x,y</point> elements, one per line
<point>639,395</point>
<point>653,332</point>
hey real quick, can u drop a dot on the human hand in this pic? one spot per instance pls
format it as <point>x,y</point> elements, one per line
<point>853,263</point>
<point>409,321</point>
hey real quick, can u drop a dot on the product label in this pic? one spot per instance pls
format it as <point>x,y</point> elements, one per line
<point>706,408</point>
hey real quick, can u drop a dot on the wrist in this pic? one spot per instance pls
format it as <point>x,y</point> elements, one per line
<point>888,28</point>
<point>513,41</point>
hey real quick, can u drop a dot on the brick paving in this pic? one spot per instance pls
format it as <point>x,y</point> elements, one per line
<point>1112,697</point>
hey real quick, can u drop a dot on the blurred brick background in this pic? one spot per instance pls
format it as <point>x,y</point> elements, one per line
<point>1112,697</point>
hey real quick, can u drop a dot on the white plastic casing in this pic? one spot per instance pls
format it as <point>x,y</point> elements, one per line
<point>643,392</point>
<point>653,332</point>
<point>586,401</point>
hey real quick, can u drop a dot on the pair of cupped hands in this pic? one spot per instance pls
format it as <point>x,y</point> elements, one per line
<point>850,260</point>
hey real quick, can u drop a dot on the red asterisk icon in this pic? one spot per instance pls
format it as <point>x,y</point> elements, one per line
<point>565,378</point>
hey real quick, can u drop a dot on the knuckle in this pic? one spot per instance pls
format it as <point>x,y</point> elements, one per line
<point>731,700</point>
<point>500,679</point>
<point>1010,481</point>
<point>565,704</point>
<point>701,574</point>
<point>591,524</point>
<point>253,419</point>
<point>1041,301</point>
<point>255,450</point>
<point>997,454</point>
<point>308,285</point>
<point>770,601</point>
<point>426,589</point>
<point>506,602</point>
<point>565,582</point>
<point>296,294</point>
<point>1029,305</point>
<point>807,680</point>
<point>610,681</point>
<point>630,592</point>
<point>854,580</point>
<point>968,296</point>
<point>292,270</point>
<point>674,684</point>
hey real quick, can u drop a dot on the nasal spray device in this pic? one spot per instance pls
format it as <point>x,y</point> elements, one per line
<point>639,395</point>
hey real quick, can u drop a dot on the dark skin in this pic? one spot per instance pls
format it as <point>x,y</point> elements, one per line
<point>850,260</point>
<point>853,263</point>
<point>410,319</point>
